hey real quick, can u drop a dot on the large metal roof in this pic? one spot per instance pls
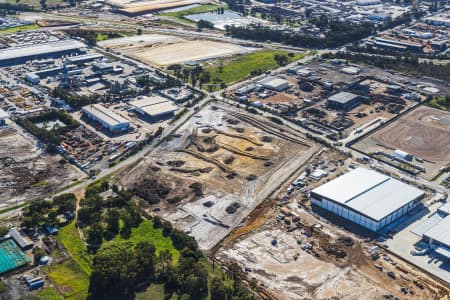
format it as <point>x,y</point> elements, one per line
<point>155,105</point>
<point>370,193</point>
<point>440,232</point>
<point>343,97</point>
<point>104,114</point>
<point>3,114</point>
<point>40,49</point>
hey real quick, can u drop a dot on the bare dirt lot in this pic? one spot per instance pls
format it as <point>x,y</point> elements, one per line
<point>216,169</point>
<point>424,133</point>
<point>26,173</point>
<point>304,264</point>
<point>164,50</point>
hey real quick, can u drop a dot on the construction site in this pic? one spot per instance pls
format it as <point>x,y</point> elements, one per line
<point>215,169</point>
<point>422,133</point>
<point>30,174</point>
<point>165,50</point>
<point>318,261</point>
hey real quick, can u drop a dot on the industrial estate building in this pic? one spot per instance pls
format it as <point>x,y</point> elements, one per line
<point>367,198</point>
<point>3,116</point>
<point>435,230</point>
<point>154,107</point>
<point>346,101</point>
<point>274,83</point>
<point>19,239</point>
<point>21,54</point>
<point>106,118</point>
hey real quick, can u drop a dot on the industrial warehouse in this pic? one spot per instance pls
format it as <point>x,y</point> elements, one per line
<point>155,107</point>
<point>346,101</point>
<point>367,198</point>
<point>435,231</point>
<point>21,54</point>
<point>106,118</point>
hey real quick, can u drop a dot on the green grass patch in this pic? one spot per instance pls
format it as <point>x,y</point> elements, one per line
<point>69,237</point>
<point>18,28</point>
<point>49,293</point>
<point>70,280</point>
<point>440,103</point>
<point>146,232</point>
<point>2,287</point>
<point>154,292</point>
<point>242,67</point>
<point>192,11</point>
<point>40,183</point>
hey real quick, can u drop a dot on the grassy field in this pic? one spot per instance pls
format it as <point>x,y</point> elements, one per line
<point>192,11</point>
<point>69,237</point>
<point>241,67</point>
<point>72,277</point>
<point>178,17</point>
<point>18,28</point>
<point>49,293</point>
<point>440,103</point>
<point>146,232</point>
<point>70,280</point>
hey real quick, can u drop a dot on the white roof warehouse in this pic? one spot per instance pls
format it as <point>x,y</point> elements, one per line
<point>20,54</point>
<point>107,119</point>
<point>154,106</point>
<point>367,198</point>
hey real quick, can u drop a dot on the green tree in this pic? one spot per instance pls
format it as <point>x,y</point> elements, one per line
<point>95,234</point>
<point>112,220</point>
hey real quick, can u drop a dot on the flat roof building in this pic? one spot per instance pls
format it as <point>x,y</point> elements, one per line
<point>19,239</point>
<point>3,116</point>
<point>367,198</point>
<point>154,107</point>
<point>21,54</point>
<point>81,59</point>
<point>435,230</point>
<point>345,100</point>
<point>274,83</point>
<point>106,118</point>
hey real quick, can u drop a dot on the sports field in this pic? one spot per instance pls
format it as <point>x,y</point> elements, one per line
<point>11,256</point>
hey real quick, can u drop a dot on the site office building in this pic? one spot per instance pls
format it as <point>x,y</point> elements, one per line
<point>367,198</point>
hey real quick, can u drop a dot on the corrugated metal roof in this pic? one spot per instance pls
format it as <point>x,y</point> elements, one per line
<point>343,97</point>
<point>104,114</point>
<point>440,232</point>
<point>160,109</point>
<point>368,192</point>
<point>148,101</point>
<point>19,239</point>
<point>40,49</point>
<point>445,208</point>
<point>3,114</point>
<point>273,82</point>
